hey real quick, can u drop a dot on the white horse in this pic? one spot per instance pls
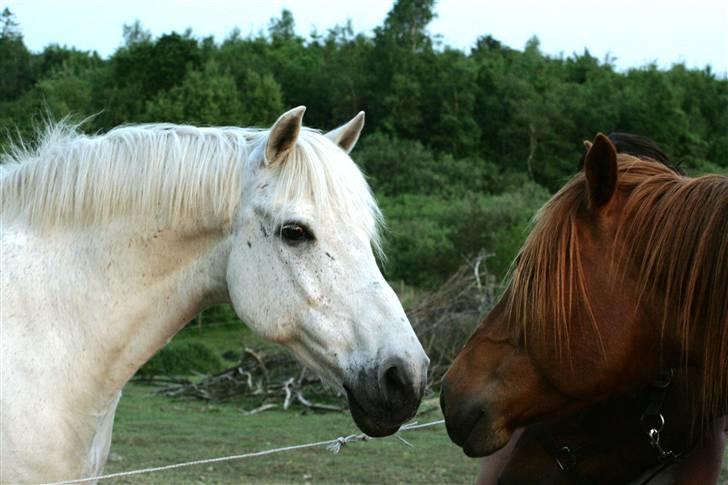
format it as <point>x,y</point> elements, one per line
<point>111,243</point>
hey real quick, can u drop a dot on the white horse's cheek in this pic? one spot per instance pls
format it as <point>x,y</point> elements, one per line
<point>259,290</point>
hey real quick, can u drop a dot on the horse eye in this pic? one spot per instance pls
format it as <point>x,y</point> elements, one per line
<point>295,233</point>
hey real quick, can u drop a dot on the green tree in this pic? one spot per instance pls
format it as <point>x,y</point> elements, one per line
<point>211,97</point>
<point>142,69</point>
<point>283,28</point>
<point>457,145</point>
<point>449,120</point>
<point>15,60</point>
<point>406,25</point>
<point>402,59</point>
<point>67,92</point>
<point>206,97</point>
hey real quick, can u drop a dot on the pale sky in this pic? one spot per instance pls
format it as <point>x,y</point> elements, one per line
<point>635,32</point>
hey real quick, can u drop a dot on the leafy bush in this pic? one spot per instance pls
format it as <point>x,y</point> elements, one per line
<point>182,358</point>
<point>430,237</point>
<point>400,166</point>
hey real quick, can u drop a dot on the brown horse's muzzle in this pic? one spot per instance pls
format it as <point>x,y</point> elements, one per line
<point>469,423</point>
<point>492,389</point>
<point>468,399</point>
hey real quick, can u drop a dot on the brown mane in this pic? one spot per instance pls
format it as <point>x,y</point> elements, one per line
<point>674,236</point>
<point>535,307</point>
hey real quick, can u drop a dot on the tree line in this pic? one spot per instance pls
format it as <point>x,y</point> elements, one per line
<point>460,147</point>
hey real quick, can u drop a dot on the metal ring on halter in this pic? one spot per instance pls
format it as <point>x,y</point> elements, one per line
<point>657,425</point>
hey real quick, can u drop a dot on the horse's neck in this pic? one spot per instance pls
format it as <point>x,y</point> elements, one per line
<point>115,294</point>
<point>154,282</point>
<point>82,309</point>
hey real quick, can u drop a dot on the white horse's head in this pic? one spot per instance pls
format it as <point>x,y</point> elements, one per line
<point>302,271</point>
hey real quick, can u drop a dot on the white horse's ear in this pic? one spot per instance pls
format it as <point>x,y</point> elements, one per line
<point>283,135</point>
<point>347,135</point>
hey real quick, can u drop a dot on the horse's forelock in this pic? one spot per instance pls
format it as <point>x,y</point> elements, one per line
<point>316,171</point>
<point>548,275</point>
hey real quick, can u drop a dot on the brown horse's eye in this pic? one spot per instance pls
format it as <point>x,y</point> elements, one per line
<point>294,233</point>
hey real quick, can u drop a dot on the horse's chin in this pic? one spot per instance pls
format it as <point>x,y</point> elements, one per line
<point>482,442</point>
<point>375,425</point>
<point>472,428</point>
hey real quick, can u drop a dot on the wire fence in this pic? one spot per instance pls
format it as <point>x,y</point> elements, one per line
<point>333,445</point>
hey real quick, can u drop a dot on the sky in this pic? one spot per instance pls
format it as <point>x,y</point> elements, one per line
<point>632,32</point>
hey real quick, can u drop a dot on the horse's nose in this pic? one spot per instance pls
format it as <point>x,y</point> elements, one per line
<point>384,396</point>
<point>400,382</point>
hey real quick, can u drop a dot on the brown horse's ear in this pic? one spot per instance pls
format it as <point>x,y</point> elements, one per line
<point>600,167</point>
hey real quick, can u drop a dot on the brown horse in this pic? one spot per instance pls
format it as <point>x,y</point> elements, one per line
<point>625,273</point>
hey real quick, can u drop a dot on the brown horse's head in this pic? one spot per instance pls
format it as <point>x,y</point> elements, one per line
<point>623,274</point>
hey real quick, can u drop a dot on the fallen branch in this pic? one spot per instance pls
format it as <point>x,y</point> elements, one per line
<point>260,409</point>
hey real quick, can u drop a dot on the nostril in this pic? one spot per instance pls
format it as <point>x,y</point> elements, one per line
<point>397,385</point>
<point>393,378</point>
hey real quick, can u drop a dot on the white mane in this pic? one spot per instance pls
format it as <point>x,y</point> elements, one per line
<point>171,173</point>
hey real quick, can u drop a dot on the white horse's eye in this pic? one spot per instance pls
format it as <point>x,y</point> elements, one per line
<point>294,233</point>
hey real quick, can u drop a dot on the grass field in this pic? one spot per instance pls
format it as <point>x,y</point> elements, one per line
<point>152,430</point>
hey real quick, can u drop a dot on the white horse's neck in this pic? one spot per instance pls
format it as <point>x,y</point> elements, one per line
<point>153,283</point>
<point>118,294</point>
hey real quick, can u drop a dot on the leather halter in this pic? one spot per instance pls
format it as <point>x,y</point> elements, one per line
<point>567,457</point>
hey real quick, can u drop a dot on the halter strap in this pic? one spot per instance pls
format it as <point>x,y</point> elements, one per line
<point>567,457</point>
<point>653,420</point>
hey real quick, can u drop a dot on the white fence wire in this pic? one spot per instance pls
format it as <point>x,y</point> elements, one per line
<point>333,445</point>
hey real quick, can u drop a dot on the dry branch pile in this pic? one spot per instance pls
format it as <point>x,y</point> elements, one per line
<point>277,380</point>
<point>445,318</point>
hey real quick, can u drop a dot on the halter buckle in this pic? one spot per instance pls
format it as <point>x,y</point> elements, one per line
<point>565,458</point>
<point>663,454</point>
<point>664,380</point>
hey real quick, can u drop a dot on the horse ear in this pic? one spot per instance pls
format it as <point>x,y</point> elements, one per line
<point>283,135</point>
<point>347,135</point>
<point>600,167</point>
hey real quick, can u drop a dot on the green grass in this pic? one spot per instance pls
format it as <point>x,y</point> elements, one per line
<point>152,430</point>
